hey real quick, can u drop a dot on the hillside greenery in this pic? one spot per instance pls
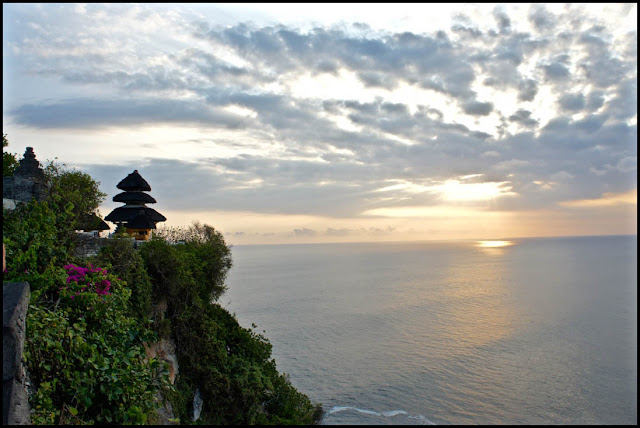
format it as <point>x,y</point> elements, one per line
<point>89,321</point>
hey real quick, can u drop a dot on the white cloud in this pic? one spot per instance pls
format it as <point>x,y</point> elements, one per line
<point>306,111</point>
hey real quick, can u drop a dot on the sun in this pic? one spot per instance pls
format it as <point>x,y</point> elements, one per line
<point>454,190</point>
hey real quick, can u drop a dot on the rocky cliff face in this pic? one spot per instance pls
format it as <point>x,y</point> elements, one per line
<point>164,350</point>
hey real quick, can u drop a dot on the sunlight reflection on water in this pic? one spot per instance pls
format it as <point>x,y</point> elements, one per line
<point>494,244</point>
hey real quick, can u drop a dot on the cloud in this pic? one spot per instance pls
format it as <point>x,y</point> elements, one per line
<point>607,199</point>
<point>556,71</point>
<point>527,90</point>
<point>572,102</point>
<point>477,108</point>
<point>91,113</point>
<point>541,19</point>
<point>523,117</point>
<point>628,164</point>
<point>545,98</point>
<point>304,232</point>
<point>502,19</point>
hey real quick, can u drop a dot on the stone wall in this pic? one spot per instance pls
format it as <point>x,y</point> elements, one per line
<point>15,399</point>
<point>89,245</point>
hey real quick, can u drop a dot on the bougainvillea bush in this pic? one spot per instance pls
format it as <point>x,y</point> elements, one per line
<point>87,358</point>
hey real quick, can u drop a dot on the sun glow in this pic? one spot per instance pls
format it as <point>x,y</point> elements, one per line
<point>454,190</point>
<point>494,244</point>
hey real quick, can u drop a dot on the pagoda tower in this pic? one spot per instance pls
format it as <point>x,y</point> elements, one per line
<point>135,217</point>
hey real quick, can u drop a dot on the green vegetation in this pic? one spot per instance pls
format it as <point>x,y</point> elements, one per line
<point>90,319</point>
<point>75,187</point>
<point>231,365</point>
<point>9,160</point>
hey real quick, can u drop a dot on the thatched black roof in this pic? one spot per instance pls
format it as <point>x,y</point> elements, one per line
<point>129,212</point>
<point>133,196</point>
<point>141,221</point>
<point>89,222</point>
<point>135,182</point>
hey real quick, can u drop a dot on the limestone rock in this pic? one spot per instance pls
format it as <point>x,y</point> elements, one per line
<point>197,405</point>
<point>164,349</point>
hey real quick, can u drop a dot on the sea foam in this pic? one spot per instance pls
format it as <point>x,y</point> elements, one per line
<point>387,414</point>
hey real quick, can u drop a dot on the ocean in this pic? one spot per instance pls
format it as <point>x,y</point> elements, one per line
<point>543,331</point>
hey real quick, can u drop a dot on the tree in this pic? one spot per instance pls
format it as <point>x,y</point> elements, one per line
<point>209,256</point>
<point>76,187</point>
<point>9,160</point>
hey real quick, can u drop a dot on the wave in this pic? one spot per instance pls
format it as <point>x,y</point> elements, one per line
<point>387,414</point>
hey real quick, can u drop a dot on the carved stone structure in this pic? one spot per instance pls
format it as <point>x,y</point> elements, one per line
<point>27,182</point>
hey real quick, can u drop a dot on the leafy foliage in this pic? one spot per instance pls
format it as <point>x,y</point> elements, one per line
<point>86,356</point>
<point>121,257</point>
<point>37,245</point>
<point>205,255</point>
<point>79,189</point>
<point>9,160</point>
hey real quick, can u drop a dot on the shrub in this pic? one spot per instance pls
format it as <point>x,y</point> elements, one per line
<point>86,357</point>
<point>122,259</point>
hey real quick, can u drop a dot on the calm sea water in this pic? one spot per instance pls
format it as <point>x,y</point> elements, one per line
<point>540,332</point>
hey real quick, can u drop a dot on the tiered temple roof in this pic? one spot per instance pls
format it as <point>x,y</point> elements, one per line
<point>135,214</point>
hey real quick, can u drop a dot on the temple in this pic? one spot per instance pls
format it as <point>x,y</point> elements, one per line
<point>135,217</point>
<point>26,183</point>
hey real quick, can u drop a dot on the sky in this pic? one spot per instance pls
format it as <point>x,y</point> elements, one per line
<point>333,122</point>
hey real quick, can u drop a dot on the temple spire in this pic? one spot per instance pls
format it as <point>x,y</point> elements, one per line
<point>135,217</point>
